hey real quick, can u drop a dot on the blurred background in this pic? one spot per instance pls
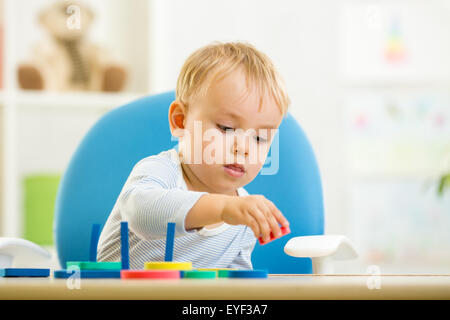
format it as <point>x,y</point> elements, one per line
<point>369,83</point>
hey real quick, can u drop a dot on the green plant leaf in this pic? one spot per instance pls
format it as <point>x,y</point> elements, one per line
<point>444,182</point>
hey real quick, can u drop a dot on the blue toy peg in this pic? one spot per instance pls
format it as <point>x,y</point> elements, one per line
<point>124,245</point>
<point>170,237</point>
<point>87,274</point>
<point>95,235</point>
<point>24,272</point>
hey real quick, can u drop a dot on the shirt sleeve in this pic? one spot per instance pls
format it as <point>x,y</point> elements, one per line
<point>150,199</point>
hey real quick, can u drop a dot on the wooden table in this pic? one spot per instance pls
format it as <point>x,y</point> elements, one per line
<point>282,287</point>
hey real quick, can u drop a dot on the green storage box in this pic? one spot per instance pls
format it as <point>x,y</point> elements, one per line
<point>39,205</point>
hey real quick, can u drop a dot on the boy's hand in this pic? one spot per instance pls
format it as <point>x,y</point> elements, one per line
<point>257,212</point>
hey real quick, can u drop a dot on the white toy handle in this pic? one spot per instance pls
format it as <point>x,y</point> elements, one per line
<point>21,253</point>
<point>322,250</point>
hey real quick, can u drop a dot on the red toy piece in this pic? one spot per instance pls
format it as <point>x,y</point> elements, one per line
<point>284,231</point>
<point>150,274</point>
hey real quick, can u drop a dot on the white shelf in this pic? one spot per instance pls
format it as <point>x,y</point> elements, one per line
<point>81,100</point>
<point>46,121</point>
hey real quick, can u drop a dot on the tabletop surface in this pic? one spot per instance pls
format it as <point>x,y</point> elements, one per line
<point>284,287</point>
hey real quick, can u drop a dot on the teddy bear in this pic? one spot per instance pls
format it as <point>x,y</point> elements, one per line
<point>68,61</point>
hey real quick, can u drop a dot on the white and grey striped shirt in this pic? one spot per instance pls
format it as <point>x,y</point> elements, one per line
<point>154,194</point>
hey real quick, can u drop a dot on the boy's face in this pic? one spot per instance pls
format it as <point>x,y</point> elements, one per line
<point>226,138</point>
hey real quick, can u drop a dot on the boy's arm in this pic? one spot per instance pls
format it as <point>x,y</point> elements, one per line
<point>150,199</point>
<point>207,210</point>
<point>255,211</point>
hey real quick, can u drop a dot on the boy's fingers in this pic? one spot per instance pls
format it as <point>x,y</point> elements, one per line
<point>251,222</point>
<point>278,215</point>
<point>275,228</point>
<point>263,224</point>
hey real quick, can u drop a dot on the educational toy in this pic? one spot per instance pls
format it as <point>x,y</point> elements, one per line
<point>24,272</point>
<point>170,238</point>
<point>95,235</point>
<point>88,265</point>
<point>284,231</point>
<point>125,259</point>
<point>91,269</point>
<point>167,269</point>
<point>247,274</point>
<point>221,272</point>
<point>150,274</point>
<point>197,274</point>
<point>87,274</point>
<point>156,265</point>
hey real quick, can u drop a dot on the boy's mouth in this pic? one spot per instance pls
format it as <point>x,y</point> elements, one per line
<point>235,170</point>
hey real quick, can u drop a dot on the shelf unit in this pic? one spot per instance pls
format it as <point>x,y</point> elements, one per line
<point>34,124</point>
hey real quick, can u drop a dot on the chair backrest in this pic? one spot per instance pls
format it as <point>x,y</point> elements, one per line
<point>104,159</point>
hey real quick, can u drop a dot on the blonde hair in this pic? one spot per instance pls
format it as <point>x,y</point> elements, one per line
<point>217,60</point>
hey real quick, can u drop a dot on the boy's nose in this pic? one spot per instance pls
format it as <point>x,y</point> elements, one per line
<point>240,147</point>
<point>242,151</point>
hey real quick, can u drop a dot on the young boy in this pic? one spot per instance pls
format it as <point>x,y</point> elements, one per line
<point>230,92</point>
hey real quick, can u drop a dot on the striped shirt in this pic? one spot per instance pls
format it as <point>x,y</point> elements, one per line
<point>155,194</point>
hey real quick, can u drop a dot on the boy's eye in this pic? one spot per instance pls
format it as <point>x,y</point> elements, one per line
<point>225,128</point>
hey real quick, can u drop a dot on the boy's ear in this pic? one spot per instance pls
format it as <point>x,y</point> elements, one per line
<point>177,115</point>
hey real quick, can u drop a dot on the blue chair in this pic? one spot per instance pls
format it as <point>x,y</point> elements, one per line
<point>105,157</point>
